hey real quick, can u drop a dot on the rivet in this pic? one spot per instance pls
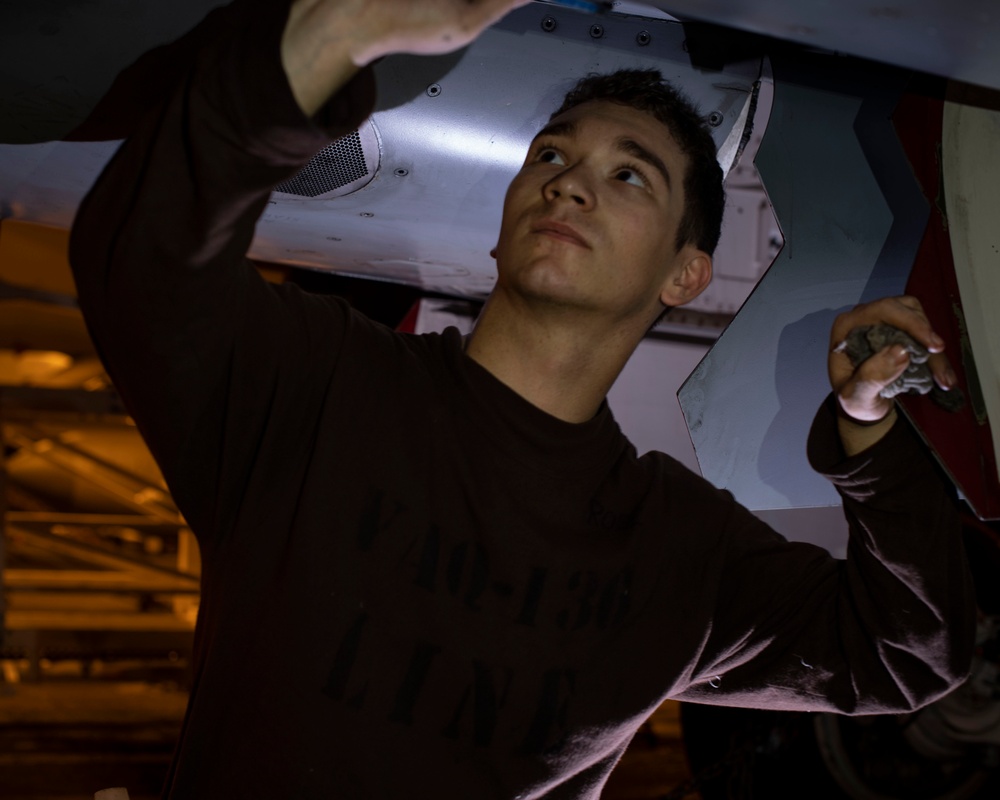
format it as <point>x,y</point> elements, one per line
<point>642,38</point>
<point>434,90</point>
<point>401,173</point>
<point>367,214</point>
<point>596,31</point>
<point>715,119</point>
<point>549,24</point>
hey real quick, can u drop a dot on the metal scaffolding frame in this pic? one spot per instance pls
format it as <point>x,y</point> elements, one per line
<point>150,604</point>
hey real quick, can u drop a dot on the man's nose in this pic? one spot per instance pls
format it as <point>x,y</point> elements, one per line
<point>572,185</point>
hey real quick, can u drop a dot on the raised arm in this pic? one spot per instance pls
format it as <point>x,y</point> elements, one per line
<point>204,352</point>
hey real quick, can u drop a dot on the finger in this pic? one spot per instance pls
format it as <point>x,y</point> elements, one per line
<point>905,313</point>
<point>933,342</point>
<point>940,367</point>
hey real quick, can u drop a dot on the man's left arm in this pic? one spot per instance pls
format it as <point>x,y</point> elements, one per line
<point>889,629</point>
<point>865,423</point>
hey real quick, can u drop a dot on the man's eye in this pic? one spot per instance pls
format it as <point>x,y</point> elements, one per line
<point>629,175</point>
<point>550,156</point>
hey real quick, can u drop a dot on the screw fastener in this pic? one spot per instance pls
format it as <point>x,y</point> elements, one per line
<point>549,24</point>
<point>715,119</point>
<point>642,38</point>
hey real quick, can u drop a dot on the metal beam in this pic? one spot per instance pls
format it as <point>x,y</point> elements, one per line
<point>89,520</point>
<point>8,291</point>
<point>87,580</point>
<point>33,402</point>
<point>98,556</point>
<point>119,483</point>
<point>19,497</point>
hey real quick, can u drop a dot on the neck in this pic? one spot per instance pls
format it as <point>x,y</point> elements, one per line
<point>563,361</point>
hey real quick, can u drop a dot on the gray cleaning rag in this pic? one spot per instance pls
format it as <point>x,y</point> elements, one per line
<point>863,342</point>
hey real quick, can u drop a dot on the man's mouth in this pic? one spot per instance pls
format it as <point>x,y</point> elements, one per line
<point>561,231</point>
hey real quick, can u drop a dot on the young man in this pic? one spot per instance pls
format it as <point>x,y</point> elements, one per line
<point>435,568</point>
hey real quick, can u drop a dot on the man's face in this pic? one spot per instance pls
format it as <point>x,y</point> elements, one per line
<point>590,221</point>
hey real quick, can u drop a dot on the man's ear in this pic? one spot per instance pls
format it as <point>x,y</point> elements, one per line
<point>493,254</point>
<point>689,277</point>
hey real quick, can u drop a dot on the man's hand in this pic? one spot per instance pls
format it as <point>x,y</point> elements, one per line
<point>326,41</point>
<point>867,416</point>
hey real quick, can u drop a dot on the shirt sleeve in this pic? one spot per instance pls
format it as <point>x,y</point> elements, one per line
<point>205,354</point>
<point>889,629</point>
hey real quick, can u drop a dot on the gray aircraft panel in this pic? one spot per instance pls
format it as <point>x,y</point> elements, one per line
<point>446,138</point>
<point>852,216</point>
<point>955,40</point>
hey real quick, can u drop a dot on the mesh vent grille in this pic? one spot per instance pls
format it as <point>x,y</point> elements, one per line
<point>338,164</point>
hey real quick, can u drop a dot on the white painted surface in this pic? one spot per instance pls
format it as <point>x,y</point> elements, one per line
<point>971,168</point>
<point>644,398</point>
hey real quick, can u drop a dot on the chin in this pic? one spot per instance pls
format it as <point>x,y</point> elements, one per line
<point>563,294</point>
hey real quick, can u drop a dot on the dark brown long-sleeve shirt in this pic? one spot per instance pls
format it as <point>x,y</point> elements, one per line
<point>416,584</point>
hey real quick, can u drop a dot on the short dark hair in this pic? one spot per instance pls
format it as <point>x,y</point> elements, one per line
<point>646,90</point>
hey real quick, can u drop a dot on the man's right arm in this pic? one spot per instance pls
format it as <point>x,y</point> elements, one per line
<point>193,339</point>
<point>203,352</point>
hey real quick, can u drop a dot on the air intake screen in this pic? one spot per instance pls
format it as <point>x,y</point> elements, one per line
<point>338,164</point>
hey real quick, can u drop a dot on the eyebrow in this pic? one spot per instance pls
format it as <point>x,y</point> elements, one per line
<point>623,144</point>
<point>565,128</point>
<point>636,150</point>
